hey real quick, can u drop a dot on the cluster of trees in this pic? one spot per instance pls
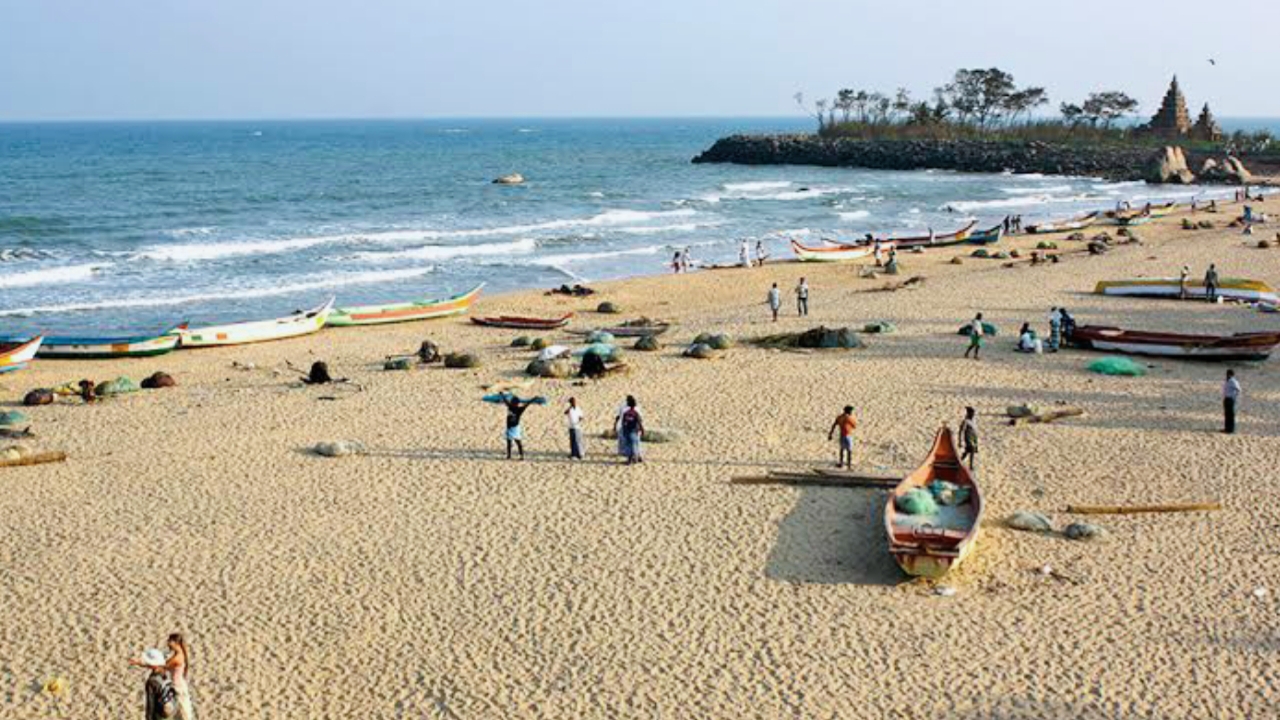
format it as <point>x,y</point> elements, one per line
<point>975,101</point>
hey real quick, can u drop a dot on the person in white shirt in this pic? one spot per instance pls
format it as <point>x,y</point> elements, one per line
<point>744,254</point>
<point>761,255</point>
<point>975,338</point>
<point>1230,397</point>
<point>775,301</point>
<point>802,297</point>
<point>573,417</point>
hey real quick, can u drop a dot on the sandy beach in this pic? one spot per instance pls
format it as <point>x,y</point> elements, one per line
<point>430,577</point>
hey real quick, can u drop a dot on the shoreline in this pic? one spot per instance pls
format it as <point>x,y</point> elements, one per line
<point>557,589</point>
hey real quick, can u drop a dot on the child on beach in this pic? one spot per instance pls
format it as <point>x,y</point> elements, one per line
<point>775,301</point>
<point>975,338</point>
<point>573,417</point>
<point>845,423</point>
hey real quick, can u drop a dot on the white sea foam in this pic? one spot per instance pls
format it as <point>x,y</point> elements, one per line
<point>1036,190</point>
<point>659,229</point>
<point>574,258</point>
<point>284,287</point>
<point>449,252</point>
<point>66,274</point>
<point>970,206</point>
<point>195,252</point>
<point>854,215</point>
<point>757,185</point>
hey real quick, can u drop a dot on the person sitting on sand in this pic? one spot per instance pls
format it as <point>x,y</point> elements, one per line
<point>1026,339</point>
<point>514,435</point>
<point>975,338</point>
<point>969,438</point>
<point>178,666</point>
<point>846,423</point>
<point>802,298</point>
<point>775,301</point>
<point>629,426</point>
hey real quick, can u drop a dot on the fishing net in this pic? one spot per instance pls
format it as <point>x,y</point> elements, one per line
<point>987,329</point>
<point>119,386</point>
<point>1117,366</point>
<point>916,501</point>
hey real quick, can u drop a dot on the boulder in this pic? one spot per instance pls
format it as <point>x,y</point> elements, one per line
<point>1236,172</point>
<point>1170,166</point>
<point>509,179</point>
<point>522,341</point>
<point>157,380</point>
<point>1028,521</point>
<point>648,343</point>
<point>428,352</point>
<point>701,351</point>
<point>462,360</point>
<point>1210,170</point>
<point>608,308</point>
<point>558,368</point>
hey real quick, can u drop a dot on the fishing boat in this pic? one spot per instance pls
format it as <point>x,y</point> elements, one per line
<point>835,253</point>
<point>1140,216</point>
<point>1158,211</point>
<point>104,348</point>
<point>986,237</point>
<point>1241,346</point>
<point>517,322</point>
<point>254,331</point>
<point>404,312</point>
<point>936,240</point>
<point>15,356</point>
<point>1071,225</point>
<point>930,545</point>
<point>1239,289</point>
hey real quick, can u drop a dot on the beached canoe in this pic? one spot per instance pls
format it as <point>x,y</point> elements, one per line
<point>986,237</point>
<point>835,253</point>
<point>936,240</point>
<point>254,331</point>
<point>1071,225</point>
<point>15,356</point>
<point>404,312</point>
<point>517,322</point>
<point>1241,346</point>
<point>66,347</point>
<point>1229,289</point>
<point>930,545</point>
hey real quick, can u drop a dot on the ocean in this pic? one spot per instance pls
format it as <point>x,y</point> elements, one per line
<point>134,226</point>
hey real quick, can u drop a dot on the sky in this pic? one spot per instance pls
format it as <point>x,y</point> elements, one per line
<point>251,59</point>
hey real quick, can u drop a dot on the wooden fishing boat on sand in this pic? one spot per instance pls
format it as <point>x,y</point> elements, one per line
<point>836,253</point>
<point>1239,289</point>
<point>1071,225</point>
<point>1241,346</point>
<point>63,347</point>
<point>936,240</point>
<point>986,237</point>
<point>517,322</point>
<point>404,312</point>
<point>15,356</point>
<point>930,545</point>
<point>254,331</point>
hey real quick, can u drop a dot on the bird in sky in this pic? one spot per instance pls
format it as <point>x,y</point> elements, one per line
<point>1213,62</point>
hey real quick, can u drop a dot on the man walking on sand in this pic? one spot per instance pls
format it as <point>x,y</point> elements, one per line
<point>969,438</point>
<point>573,417</point>
<point>802,298</point>
<point>1211,283</point>
<point>845,423</point>
<point>775,301</point>
<point>515,411</point>
<point>975,337</point>
<point>1230,397</point>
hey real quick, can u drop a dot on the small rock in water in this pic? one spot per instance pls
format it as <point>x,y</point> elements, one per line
<point>338,448</point>
<point>1029,521</point>
<point>1084,531</point>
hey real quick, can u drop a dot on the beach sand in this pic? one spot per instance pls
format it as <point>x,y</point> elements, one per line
<point>429,577</point>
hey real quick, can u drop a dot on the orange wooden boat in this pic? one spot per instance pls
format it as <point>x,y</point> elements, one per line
<point>930,545</point>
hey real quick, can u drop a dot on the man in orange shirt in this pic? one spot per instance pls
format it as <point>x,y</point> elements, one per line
<point>845,424</point>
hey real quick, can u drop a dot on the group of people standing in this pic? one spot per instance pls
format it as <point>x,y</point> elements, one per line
<point>845,423</point>
<point>1210,282</point>
<point>774,299</point>
<point>628,424</point>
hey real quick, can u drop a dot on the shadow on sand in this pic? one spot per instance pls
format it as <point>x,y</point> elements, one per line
<point>834,536</point>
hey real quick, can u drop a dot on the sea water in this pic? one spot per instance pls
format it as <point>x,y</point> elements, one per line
<point>134,226</point>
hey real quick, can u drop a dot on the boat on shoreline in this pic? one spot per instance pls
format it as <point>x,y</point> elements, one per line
<point>517,322</point>
<point>1241,346</point>
<point>989,236</point>
<point>15,356</point>
<point>930,545</point>
<point>405,311</point>
<point>835,253</point>
<point>63,347</point>
<point>254,331</point>
<point>936,240</point>
<point>1078,223</point>
<point>1240,289</point>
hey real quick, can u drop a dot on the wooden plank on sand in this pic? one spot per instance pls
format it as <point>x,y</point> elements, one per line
<point>819,477</point>
<point>1136,509</point>
<point>34,459</point>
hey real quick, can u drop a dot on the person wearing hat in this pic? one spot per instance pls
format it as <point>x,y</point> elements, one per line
<point>178,666</point>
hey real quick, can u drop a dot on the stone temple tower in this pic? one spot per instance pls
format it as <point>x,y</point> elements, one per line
<point>1207,127</point>
<point>1172,119</point>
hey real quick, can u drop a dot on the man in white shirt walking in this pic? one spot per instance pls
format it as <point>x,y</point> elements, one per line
<point>573,417</point>
<point>775,301</point>
<point>802,297</point>
<point>1230,398</point>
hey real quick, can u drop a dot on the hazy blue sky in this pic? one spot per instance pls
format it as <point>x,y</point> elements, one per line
<point>72,59</point>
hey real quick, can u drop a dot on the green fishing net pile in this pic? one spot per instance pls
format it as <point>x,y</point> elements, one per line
<point>1117,366</point>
